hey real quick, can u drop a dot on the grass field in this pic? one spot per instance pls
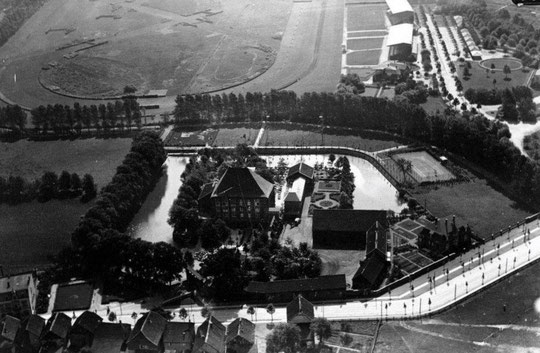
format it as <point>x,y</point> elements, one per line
<point>425,168</point>
<point>163,44</point>
<point>364,43</point>
<point>191,138</point>
<point>479,78</point>
<point>433,105</point>
<point>369,57</point>
<point>98,157</point>
<point>480,324</point>
<point>366,17</point>
<point>30,232</point>
<point>376,33</point>
<point>474,203</point>
<point>279,137</point>
<point>232,137</point>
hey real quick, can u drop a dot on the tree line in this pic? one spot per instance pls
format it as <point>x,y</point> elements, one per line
<point>16,189</point>
<point>474,137</point>
<point>64,120</point>
<point>13,117</point>
<point>101,250</point>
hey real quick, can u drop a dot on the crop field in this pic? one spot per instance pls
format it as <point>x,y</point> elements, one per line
<point>98,157</point>
<point>178,45</point>
<point>282,137</point>
<point>366,17</point>
<point>364,43</point>
<point>367,57</point>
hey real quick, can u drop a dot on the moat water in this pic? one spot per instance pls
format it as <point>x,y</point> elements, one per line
<point>372,191</point>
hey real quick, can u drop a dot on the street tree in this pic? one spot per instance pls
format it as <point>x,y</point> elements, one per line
<point>271,310</point>
<point>322,328</point>
<point>284,338</point>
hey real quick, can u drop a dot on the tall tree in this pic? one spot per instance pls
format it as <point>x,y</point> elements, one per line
<point>284,338</point>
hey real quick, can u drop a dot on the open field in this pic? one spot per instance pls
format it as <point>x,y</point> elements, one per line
<point>368,57</point>
<point>364,43</point>
<point>232,137</point>
<point>366,17</point>
<point>191,138</point>
<point>280,137</point>
<point>181,45</point>
<point>479,78</point>
<point>433,105</point>
<point>98,157</point>
<point>476,203</point>
<point>32,231</point>
<point>425,168</point>
<point>481,324</point>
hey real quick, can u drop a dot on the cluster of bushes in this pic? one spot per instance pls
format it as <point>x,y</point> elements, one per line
<point>66,120</point>
<point>351,83</point>
<point>415,92</point>
<point>100,250</point>
<point>518,102</point>
<point>16,189</point>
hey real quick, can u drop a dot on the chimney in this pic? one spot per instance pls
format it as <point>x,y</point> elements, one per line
<point>446,226</point>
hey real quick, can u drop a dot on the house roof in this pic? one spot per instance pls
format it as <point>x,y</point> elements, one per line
<point>336,282</point>
<point>151,326</point>
<point>34,325</point>
<point>347,220</point>
<point>398,6</point>
<point>10,327</point>
<point>73,296</point>
<point>15,283</point>
<point>213,333</point>
<point>88,321</point>
<point>400,34</point>
<point>376,238</point>
<point>292,197</point>
<point>206,190</point>
<point>301,169</point>
<point>179,332</point>
<point>58,324</point>
<point>242,182</point>
<point>300,310</point>
<point>372,269</point>
<point>241,328</point>
<point>110,337</point>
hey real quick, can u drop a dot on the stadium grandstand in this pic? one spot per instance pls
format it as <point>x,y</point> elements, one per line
<point>400,11</point>
<point>401,42</point>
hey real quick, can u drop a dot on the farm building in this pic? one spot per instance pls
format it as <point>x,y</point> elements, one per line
<point>147,333</point>
<point>300,184</point>
<point>300,170</point>
<point>318,288</point>
<point>345,229</point>
<point>377,239</point>
<point>400,42</point>
<point>210,337</point>
<point>55,333</point>
<point>240,336</point>
<point>29,334</point>
<point>240,196</point>
<point>400,11</point>
<point>18,295</point>
<point>372,271</point>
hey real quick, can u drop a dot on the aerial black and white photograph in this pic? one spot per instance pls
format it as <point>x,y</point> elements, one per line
<point>269,176</point>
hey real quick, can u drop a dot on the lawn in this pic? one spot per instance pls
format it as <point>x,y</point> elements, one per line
<point>376,33</point>
<point>279,137</point>
<point>481,324</point>
<point>30,232</point>
<point>433,105</point>
<point>232,137</point>
<point>479,78</point>
<point>183,137</point>
<point>476,203</point>
<point>364,43</point>
<point>365,17</point>
<point>98,157</point>
<point>368,57</point>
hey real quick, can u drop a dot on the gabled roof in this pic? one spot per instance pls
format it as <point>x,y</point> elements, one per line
<point>242,182</point>
<point>372,269</point>
<point>34,325</point>
<point>336,282</point>
<point>300,310</point>
<point>301,169</point>
<point>10,327</point>
<point>212,332</point>
<point>241,328</point>
<point>206,190</point>
<point>179,332</point>
<point>110,337</point>
<point>88,321</point>
<point>400,34</point>
<point>151,326</point>
<point>348,220</point>
<point>376,239</point>
<point>291,197</point>
<point>398,6</point>
<point>59,325</point>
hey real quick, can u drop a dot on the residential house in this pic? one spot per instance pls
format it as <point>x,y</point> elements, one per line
<point>240,196</point>
<point>110,337</point>
<point>179,337</point>
<point>82,332</point>
<point>28,337</point>
<point>318,288</point>
<point>240,336</point>
<point>18,294</point>
<point>210,337</point>
<point>55,334</point>
<point>372,271</point>
<point>147,333</point>
<point>345,229</point>
<point>300,311</point>
<point>9,327</point>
